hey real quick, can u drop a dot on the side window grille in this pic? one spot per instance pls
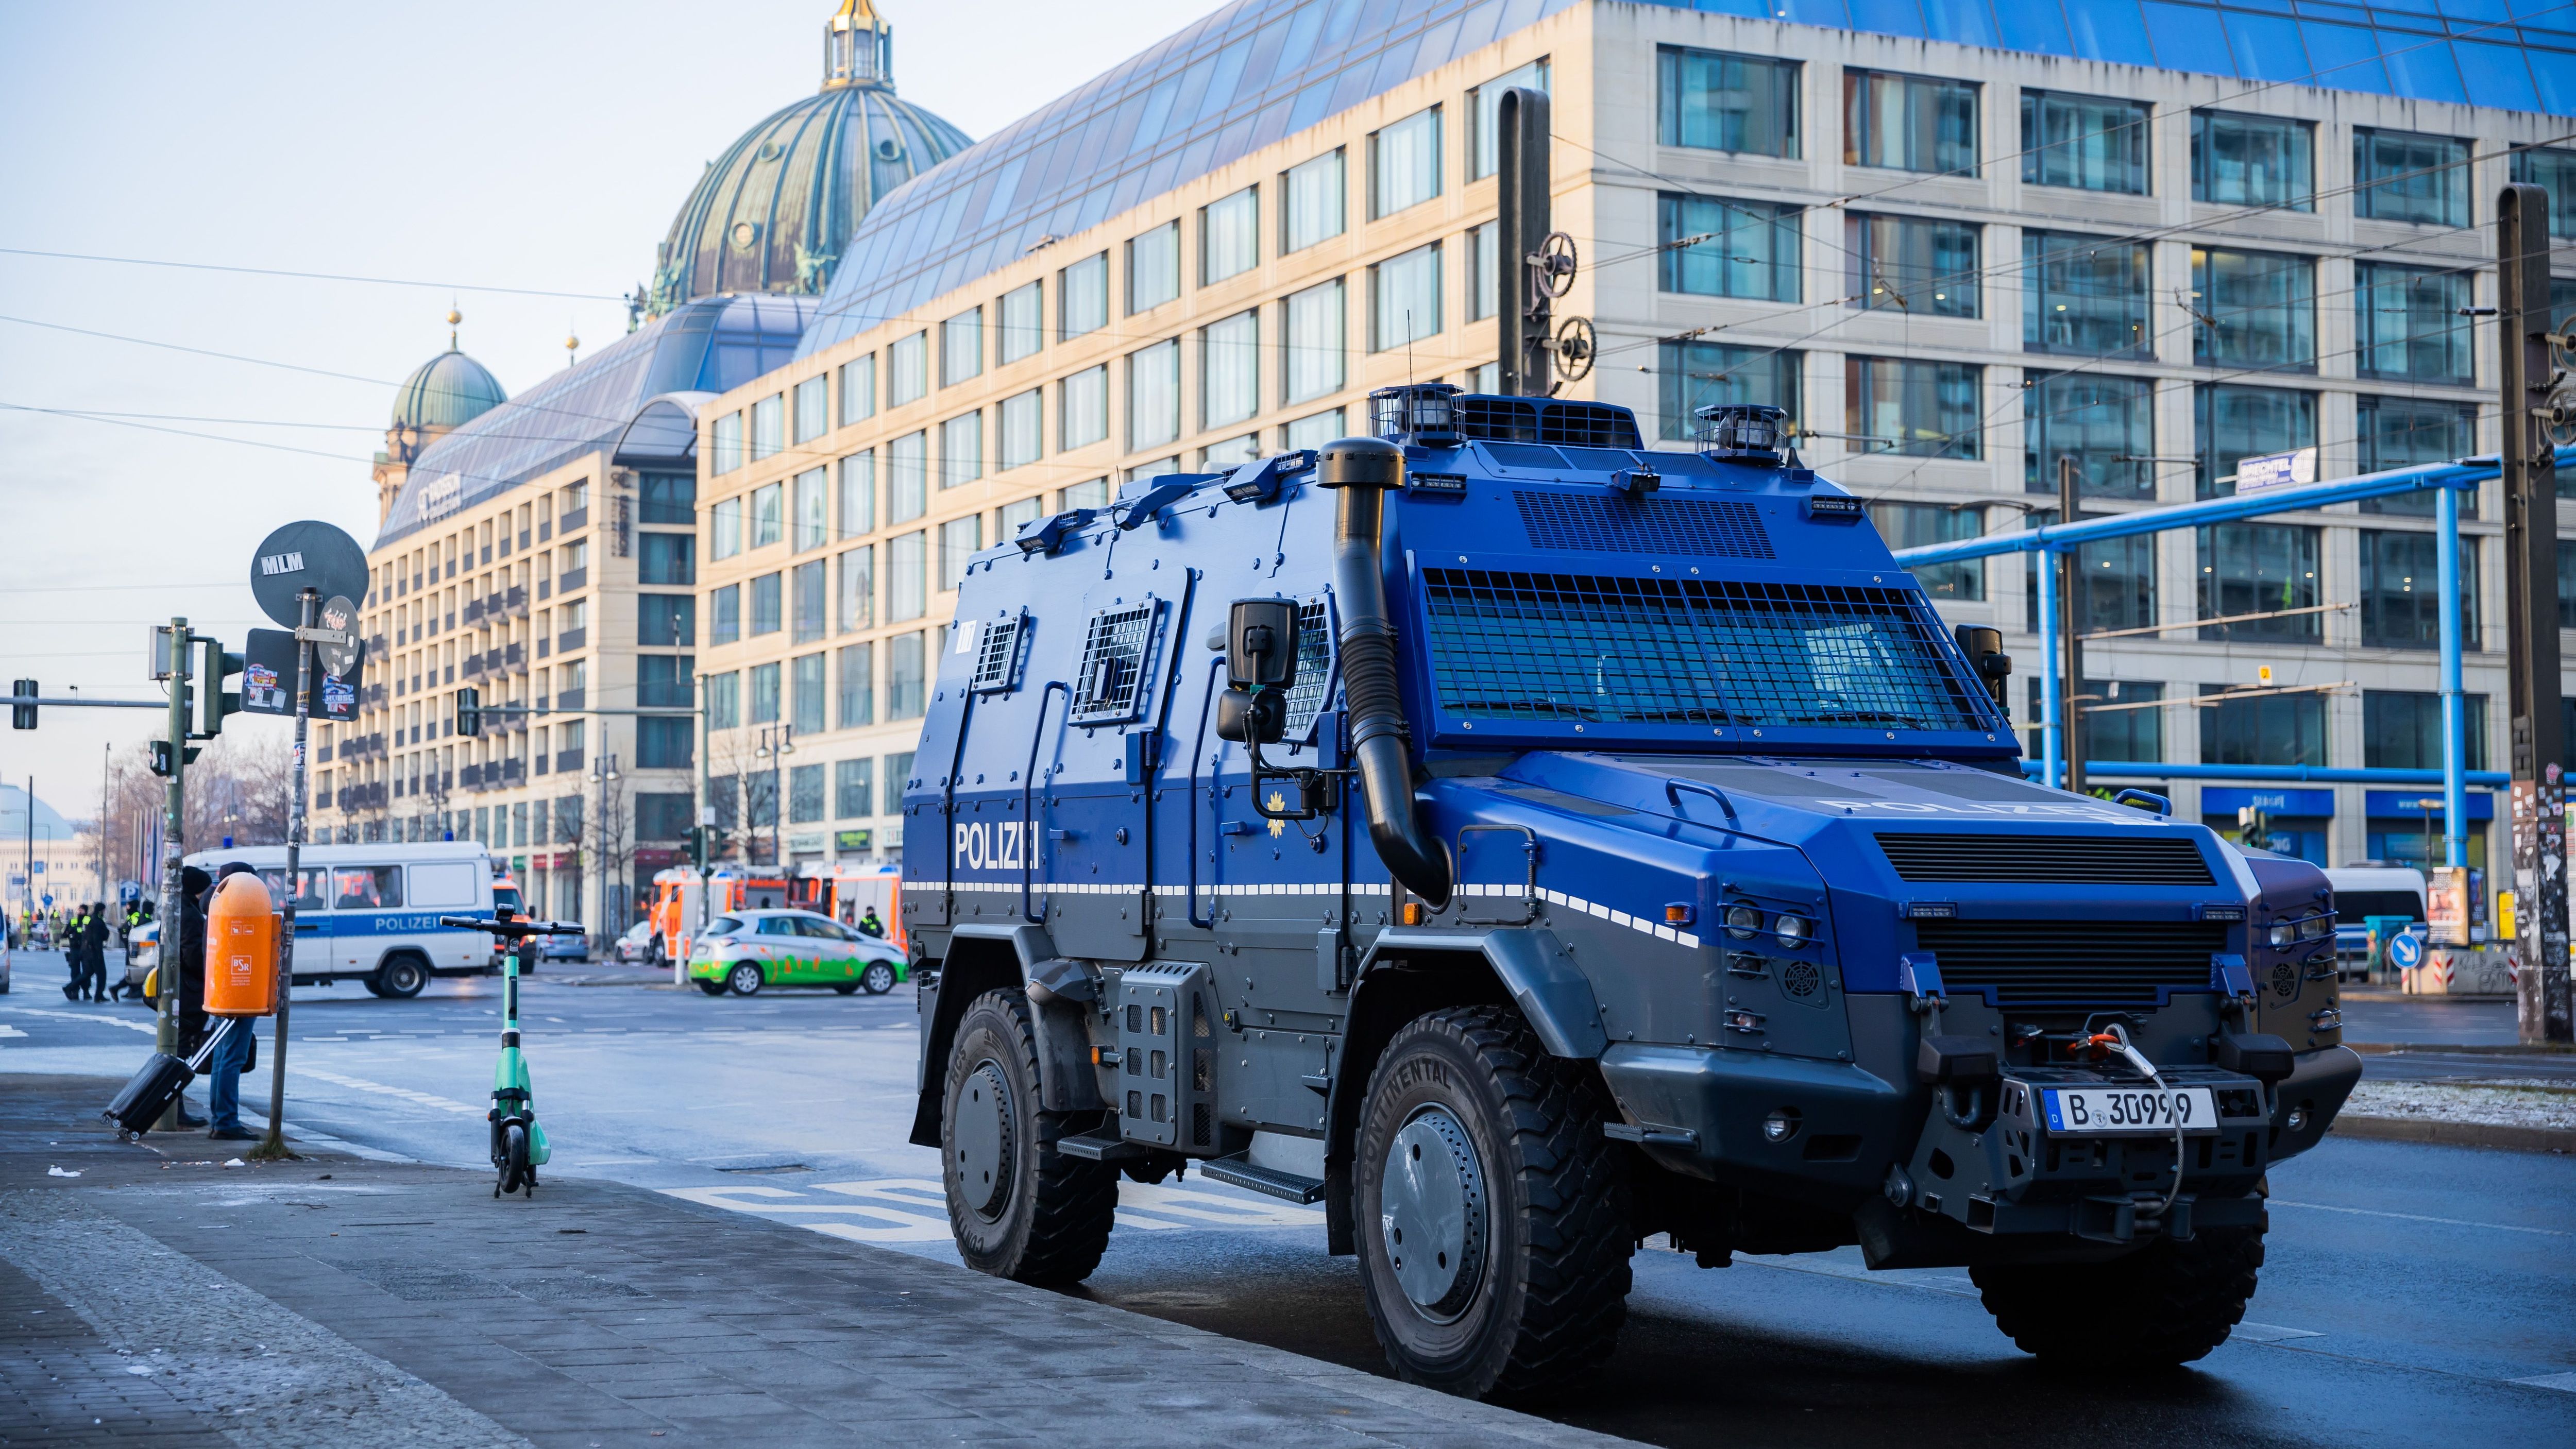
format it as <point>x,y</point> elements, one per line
<point>997,656</point>
<point>1314,666</point>
<point>1117,654</point>
<point>1588,425</point>
<point>1497,420</point>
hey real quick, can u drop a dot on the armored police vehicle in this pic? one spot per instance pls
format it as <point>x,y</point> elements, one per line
<point>1527,845</point>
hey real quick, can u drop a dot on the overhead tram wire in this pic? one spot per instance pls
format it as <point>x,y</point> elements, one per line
<point>311,276</point>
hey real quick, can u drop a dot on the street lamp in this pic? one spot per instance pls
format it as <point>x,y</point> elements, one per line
<point>777,741</point>
<point>603,771</point>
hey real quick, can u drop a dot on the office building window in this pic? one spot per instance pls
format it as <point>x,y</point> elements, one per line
<point>2233,422</point>
<point>1313,197</point>
<point>1404,296</point>
<point>907,477</point>
<point>908,369</point>
<point>1909,123</point>
<point>1315,431</point>
<point>764,693</point>
<point>664,620</point>
<point>2407,323</point>
<point>810,591</point>
<point>2259,568</point>
<point>898,778</point>
<point>1715,248</point>
<point>1230,236</point>
<point>1718,102</point>
<point>1154,395</point>
<point>1082,297</point>
<point>768,515</point>
<point>812,505</point>
<point>1083,407</point>
<point>1230,453</point>
<point>724,701</point>
<point>858,505</point>
<point>1483,273</point>
<point>724,614</point>
<point>959,538</point>
<point>727,444</point>
<point>858,389</point>
<point>854,789</point>
<point>1484,115</point>
<point>906,676</point>
<point>961,449</point>
<point>1905,405</point>
<point>2266,729</point>
<point>1020,432</point>
<point>2106,424</point>
<point>1230,370</point>
<point>2254,309</point>
<point>2084,294</point>
<point>961,347</point>
<point>1694,375</point>
<point>1022,322</point>
<point>767,594</point>
<point>665,681</point>
<point>1404,163</point>
<point>1315,350</point>
<point>2402,730</point>
<point>2400,432</point>
<point>858,684</point>
<point>1926,268</point>
<point>1154,268</point>
<point>809,698</point>
<point>724,528</point>
<point>2401,596</point>
<point>2116,580</point>
<point>666,558</point>
<point>2402,176</point>
<point>2554,170</point>
<point>907,576</point>
<point>662,498</point>
<point>813,403</point>
<point>1913,525</point>
<point>1018,515</point>
<point>804,792</point>
<point>2253,161</point>
<point>1091,493</point>
<point>2090,143</point>
<point>858,588</point>
<point>768,426</point>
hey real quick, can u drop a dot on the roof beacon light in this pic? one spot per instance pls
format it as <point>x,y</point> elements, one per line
<point>1046,535</point>
<point>1417,413</point>
<point>1751,433</point>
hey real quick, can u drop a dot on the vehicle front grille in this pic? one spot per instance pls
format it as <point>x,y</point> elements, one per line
<point>2046,859</point>
<point>2076,963</point>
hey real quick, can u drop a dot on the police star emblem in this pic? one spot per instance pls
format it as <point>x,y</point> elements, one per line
<point>1278,801</point>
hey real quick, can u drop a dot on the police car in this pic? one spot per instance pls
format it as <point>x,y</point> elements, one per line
<point>370,912</point>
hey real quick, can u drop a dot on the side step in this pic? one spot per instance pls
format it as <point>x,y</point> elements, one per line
<point>1267,1180</point>
<point>1101,1149</point>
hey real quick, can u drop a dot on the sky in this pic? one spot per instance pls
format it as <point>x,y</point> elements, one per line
<point>520,161</point>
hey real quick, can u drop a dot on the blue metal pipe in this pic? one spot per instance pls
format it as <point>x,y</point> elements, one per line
<point>2455,809</point>
<point>2288,774</point>
<point>2052,747</point>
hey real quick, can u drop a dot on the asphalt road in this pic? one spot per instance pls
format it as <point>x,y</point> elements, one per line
<point>2409,1288</point>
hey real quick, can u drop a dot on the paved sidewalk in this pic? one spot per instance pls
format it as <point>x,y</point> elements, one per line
<point>160,1297</point>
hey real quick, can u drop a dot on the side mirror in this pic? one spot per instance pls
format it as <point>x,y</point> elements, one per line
<point>1261,644</point>
<point>1248,718</point>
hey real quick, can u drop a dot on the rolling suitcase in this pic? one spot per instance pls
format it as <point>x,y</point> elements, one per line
<point>159,1081</point>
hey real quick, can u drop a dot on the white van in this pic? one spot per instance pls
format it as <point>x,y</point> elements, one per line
<point>2362,891</point>
<point>370,912</point>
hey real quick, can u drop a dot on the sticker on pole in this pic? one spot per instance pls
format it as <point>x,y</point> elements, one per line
<point>268,680</point>
<point>337,613</point>
<point>307,555</point>
<point>2276,470</point>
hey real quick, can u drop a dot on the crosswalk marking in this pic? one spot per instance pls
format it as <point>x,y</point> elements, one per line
<point>915,1209</point>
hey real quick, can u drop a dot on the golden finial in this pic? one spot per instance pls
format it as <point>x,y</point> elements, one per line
<point>453,317</point>
<point>572,349</point>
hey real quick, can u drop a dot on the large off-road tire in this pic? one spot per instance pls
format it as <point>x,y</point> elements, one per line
<point>2162,1306</point>
<point>1018,1208</point>
<point>1493,1214</point>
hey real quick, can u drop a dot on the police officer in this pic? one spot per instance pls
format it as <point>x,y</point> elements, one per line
<point>871,925</point>
<point>94,939</point>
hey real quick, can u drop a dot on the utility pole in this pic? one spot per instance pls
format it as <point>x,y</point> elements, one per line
<point>273,1147</point>
<point>604,770</point>
<point>2070,577</point>
<point>2528,377</point>
<point>172,666</point>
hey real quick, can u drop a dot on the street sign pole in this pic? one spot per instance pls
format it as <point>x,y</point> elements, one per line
<point>173,975</point>
<point>274,1146</point>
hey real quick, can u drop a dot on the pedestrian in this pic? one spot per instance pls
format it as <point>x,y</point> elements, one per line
<point>94,949</point>
<point>74,936</point>
<point>871,925</point>
<point>183,970</point>
<point>233,1056</point>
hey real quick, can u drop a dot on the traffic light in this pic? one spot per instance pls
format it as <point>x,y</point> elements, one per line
<point>469,711</point>
<point>23,716</point>
<point>211,701</point>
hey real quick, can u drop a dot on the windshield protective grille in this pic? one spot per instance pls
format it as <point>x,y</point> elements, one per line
<point>1566,648</point>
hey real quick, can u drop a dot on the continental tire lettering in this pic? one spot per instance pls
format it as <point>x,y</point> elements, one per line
<point>1419,1070</point>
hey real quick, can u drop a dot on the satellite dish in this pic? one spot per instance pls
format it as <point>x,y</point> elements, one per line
<point>307,555</point>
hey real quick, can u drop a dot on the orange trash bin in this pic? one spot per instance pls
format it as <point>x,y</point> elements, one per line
<point>241,949</point>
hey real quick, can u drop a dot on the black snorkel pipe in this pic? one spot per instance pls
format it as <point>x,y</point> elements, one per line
<point>1362,470</point>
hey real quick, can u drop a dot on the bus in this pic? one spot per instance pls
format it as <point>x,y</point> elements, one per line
<point>370,912</point>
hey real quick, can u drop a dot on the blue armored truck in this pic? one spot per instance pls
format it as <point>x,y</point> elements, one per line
<point>1531,847</point>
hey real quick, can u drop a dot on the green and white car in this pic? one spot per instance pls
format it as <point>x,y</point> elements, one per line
<point>747,951</point>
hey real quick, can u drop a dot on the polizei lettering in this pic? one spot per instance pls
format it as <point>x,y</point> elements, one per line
<point>997,845</point>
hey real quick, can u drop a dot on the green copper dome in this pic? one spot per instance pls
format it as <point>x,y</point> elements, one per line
<point>448,391</point>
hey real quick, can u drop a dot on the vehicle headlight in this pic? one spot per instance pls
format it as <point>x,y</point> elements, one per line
<point>2282,934</point>
<point>2316,928</point>
<point>1793,930</point>
<point>1742,922</point>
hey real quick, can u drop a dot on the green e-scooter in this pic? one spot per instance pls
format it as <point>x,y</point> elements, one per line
<point>518,1142</point>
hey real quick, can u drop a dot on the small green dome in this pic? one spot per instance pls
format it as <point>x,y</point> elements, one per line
<point>448,391</point>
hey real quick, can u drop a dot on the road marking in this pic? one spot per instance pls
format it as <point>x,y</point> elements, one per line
<point>2565,1383</point>
<point>2268,1333</point>
<point>2420,1218</point>
<point>915,1209</point>
<point>145,1027</point>
<point>361,1084</point>
<point>6,1031</point>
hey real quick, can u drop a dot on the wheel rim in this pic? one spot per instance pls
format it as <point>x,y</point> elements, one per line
<point>879,979</point>
<point>746,979</point>
<point>982,1140</point>
<point>404,978</point>
<point>1432,1212</point>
